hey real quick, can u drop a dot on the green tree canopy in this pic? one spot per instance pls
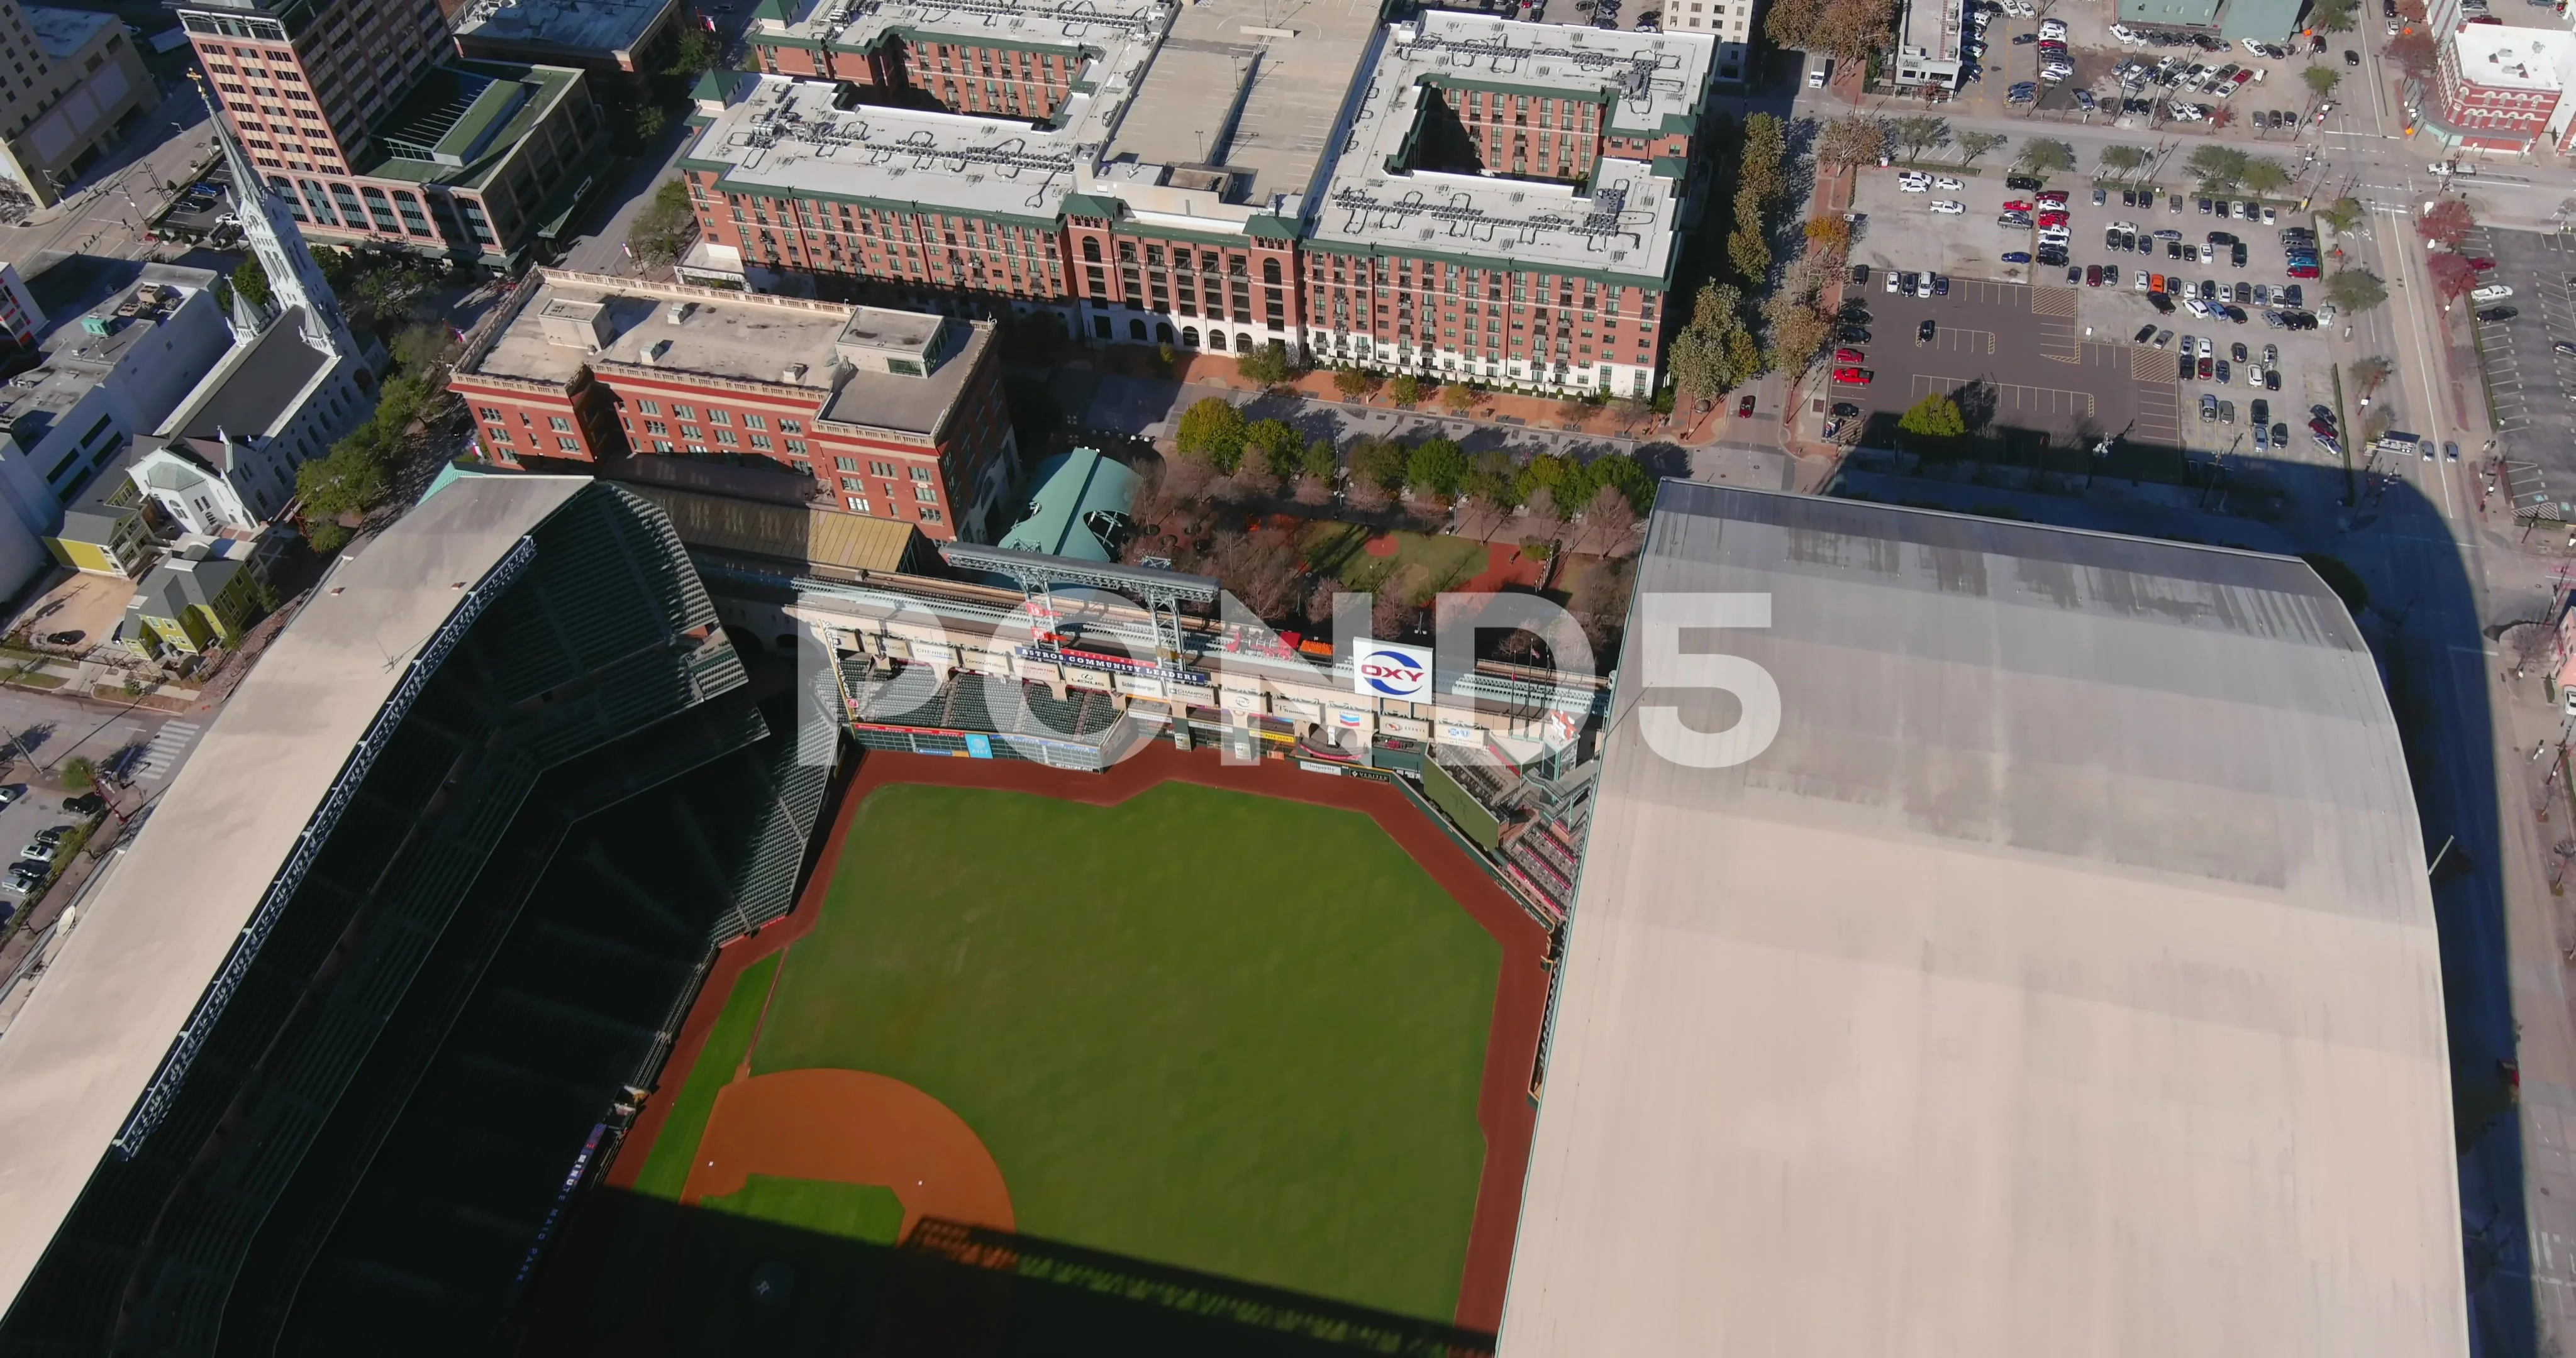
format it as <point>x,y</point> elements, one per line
<point>2122,159</point>
<point>1377,462</point>
<point>2356,290</point>
<point>1281,448</point>
<point>1919,133</point>
<point>250,279</point>
<point>2047,153</point>
<point>1213,431</point>
<point>1975,144</point>
<point>2264,175</point>
<point>2321,80</point>
<point>1266,365</point>
<point>2215,166</point>
<point>662,231</point>
<point>1436,467</point>
<point>1934,420</point>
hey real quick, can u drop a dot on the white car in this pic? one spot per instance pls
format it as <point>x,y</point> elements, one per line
<point>1949,209</point>
<point>2124,33</point>
<point>2492,292</point>
<point>2142,280</point>
<point>1816,78</point>
<point>2206,348</point>
<point>2053,30</point>
<point>1914,185</point>
<point>1947,184</point>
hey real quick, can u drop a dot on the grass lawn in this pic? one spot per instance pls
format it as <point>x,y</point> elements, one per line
<point>1339,549</point>
<point>1201,1028</point>
<point>666,1169</point>
<point>869,1212</point>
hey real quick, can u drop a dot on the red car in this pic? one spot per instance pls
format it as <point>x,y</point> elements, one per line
<point>2303,271</point>
<point>2481,264</point>
<point>2092,275</point>
<point>2057,196</point>
<point>2049,219</point>
<point>1849,356</point>
<point>2017,205</point>
<point>1857,377</point>
<point>2204,370</point>
<point>1744,407</point>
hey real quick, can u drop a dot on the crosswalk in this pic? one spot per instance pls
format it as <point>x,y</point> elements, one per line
<point>168,746</point>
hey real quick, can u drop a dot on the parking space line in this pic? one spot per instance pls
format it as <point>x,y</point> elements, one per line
<point>2046,400</point>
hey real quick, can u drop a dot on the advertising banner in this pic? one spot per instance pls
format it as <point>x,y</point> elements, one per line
<point>1387,669</point>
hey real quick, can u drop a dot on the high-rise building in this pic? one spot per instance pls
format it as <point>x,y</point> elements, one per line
<point>70,81</point>
<point>355,113</point>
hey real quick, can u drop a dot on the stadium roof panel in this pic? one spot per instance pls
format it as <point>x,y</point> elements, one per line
<point>79,1056</point>
<point>2061,979</point>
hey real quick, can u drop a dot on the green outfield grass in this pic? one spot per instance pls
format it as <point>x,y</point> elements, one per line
<point>666,1168</point>
<point>1201,1028</point>
<point>869,1212</point>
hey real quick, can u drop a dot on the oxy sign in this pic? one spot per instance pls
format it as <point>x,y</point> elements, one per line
<point>1386,669</point>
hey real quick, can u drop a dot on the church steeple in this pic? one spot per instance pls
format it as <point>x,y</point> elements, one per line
<point>294,279</point>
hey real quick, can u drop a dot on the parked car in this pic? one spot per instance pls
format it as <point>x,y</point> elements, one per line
<point>1857,377</point>
<point>2026,182</point>
<point>2492,292</point>
<point>2208,409</point>
<point>2016,256</point>
<point>1923,333</point>
<point>86,804</point>
<point>2496,315</point>
<point>2145,333</point>
<point>37,853</point>
<point>1949,208</point>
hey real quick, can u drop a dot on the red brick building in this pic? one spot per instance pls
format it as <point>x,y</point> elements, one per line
<point>2496,88</point>
<point>892,414</point>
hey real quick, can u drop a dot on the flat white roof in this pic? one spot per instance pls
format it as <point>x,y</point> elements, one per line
<point>789,137</point>
<point>81,1053</point>
<point>2504,58</point>
<point>1622,224</point>
<point>2060,982</point>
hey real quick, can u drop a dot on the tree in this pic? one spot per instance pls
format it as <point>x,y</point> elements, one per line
<point>250,279</point>
<point>2122,159</point>
<point>661,233</point>
<point>2342,216</point>
<point>1280,447</point>
<point>1267,365</point>
<point>2355,290</point>
<point>1539,519</point>
<point>2216,167</point>
<point>417,348</point>
<point>2334,16</point>
<point>1932,423</point>
<point>2415,53</point>
<point>1626,475</point>
<point>2046,153</point>
<point>1848,29</point>
<point>695,54</point>
<point>1608,518</point>
<point>1600,601</point>
<point>2321,80</point>
<point>1457,398</point>
<point>79,774</point>
<point>1212,430</point>
<point>648,122</point>
<point>1919,133</point>
<point>2264,175</point>
<point>1261,570</point>
<point>1714,352</point>
<point>2452,275</point>
<point>1491,480</point>
<point>1749,254</point>
<point>2369,373</point>
<point>1435,467</point>
<point>1765,151</point>
<point>1318,461</point>
<point>1975,144</point>
<point>1354,383</point>
<point>1829,237</point>
<point>1796,331</point>
<point>345,481</point>
<point>1858,139</point>
<point>1377,467</point>
<point>2447,224</point>
<point>1405,389</point>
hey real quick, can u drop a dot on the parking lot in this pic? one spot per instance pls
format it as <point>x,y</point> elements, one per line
<point>2533,386</point>
<point>2093,51</point>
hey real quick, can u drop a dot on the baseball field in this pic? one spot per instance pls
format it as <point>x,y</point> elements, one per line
<point>1214,1019</point>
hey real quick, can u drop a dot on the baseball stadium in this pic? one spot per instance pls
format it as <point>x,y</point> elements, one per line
<point>612,931</point>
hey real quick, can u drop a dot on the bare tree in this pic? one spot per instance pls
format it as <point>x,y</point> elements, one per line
<point>1600,601</point>
<point>1609,522</point>
<point>1261,570</point>
<point>1539,519</point>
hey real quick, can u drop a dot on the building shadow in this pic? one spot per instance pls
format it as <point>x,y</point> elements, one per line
<point>647,1277</point>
